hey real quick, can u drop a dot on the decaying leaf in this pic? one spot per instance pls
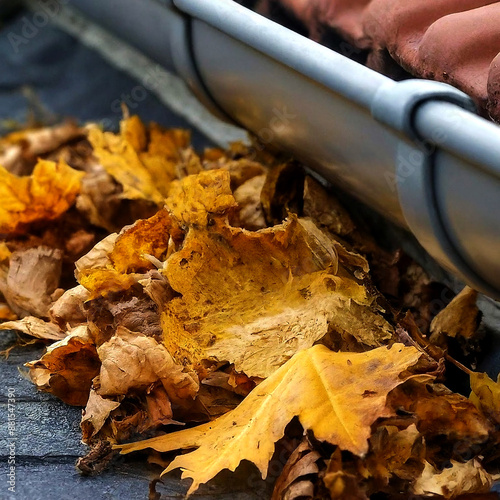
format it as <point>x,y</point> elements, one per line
<point>277,290</point>
<point>294,482</point>
<point>44,195</point>
<point>459,479</point>
<point>232,291</point>
<point>332,404</point>
<point>35,327</point>
<point>31,279</point>
<point>68,368</point>
<point>133,360</point>
<point>460,318</point>
<point>96,413</point>
<point>486,395</point>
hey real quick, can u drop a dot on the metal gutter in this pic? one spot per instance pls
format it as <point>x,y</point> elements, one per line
<point>413,150</point>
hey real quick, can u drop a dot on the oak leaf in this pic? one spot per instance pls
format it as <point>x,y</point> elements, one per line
<point>44,195</point>
<point>338,396</point>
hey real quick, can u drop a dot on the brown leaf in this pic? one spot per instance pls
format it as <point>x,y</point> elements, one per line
<point>95,414</point>
<point>35,327</point>
<point>32,277</point>
<point>459,479</point>
<point>68,309</point>
<point>292,483</point>
<point>460,318</point>
<point>131,360</point>
<point>67,368</point>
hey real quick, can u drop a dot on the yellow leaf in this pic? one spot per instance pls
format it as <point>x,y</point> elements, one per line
<point>255,298</point>
<point>144,166</point>
<point>486,395</point>
<point>44,195</point>
<point>338,396</point>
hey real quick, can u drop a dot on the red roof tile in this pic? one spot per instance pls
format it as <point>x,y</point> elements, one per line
<point>453,41</point>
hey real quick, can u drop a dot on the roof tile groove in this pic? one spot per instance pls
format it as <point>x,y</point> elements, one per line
<point>453,41</point>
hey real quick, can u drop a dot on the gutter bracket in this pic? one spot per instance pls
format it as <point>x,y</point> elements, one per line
<point>396,105</point>
<point>181,43</point>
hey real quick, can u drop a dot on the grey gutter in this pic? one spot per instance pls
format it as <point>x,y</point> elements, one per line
<point>413,150</point>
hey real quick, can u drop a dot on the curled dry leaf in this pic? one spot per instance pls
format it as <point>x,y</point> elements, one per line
<point>68,368</point>
<point>68,309</point>
<point>335,403</point>
<point>31,279</point>
<point>35,327</point>
<point>44,195</point>
<point>19,150</point>
<point>293,482</point>
<point>96,413</point>
<point>144,166</point>
<point>459,479</point>
<point>486,395</point>
<point>130,361</point>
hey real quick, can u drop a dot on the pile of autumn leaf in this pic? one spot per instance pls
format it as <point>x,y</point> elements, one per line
<point>215,303</point>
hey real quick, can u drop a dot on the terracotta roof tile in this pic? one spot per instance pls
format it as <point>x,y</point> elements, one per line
<point>454,41</point>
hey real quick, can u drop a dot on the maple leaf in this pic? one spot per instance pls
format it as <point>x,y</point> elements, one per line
<point>338,396</point>
<point>44,195</point>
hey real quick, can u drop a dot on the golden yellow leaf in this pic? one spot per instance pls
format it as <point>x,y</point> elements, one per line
<point>486,395</point>
<point>148,237</point>
<point>144,166</point>
<point>255,298</point>
<point>338,396</point>
<point>44,195</point>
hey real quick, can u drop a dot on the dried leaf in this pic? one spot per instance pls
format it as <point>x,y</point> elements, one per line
<point>131,360</point>
<point>96,413</point>
<point>67,368</point>
<point>243,293</point>
<point>250,215</point>
<point>31,279</point>
<point>46,194</point>
<point>459,479</point>
<point>333,402</point>
<point>68,309</point>
<point>292,482</point>
<point>143,173</point>
<point>486,395</point>
<point>460,318</point>
<point>35,327</point>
